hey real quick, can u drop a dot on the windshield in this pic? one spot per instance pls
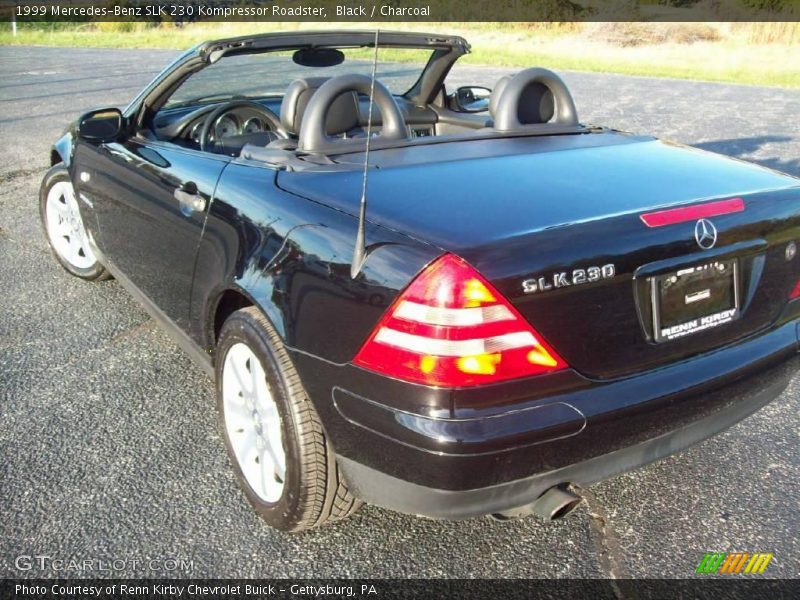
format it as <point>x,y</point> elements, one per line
<point>269,74</point>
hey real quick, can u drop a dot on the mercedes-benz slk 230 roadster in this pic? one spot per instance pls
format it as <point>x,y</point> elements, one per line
<point>447,302</point>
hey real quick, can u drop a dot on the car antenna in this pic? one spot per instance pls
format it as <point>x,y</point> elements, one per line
<point>360,252</point>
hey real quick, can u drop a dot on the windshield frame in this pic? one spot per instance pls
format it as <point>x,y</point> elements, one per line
<point>447,50</point>
<point>214,98</point>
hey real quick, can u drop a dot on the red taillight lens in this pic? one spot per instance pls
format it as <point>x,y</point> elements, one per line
<point>451,328</point>
<point>795,293</point>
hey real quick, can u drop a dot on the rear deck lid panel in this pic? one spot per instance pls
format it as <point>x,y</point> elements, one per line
<point>524,216</point>
<point>459,202</point>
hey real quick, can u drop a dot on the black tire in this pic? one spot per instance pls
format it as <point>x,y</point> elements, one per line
<point>314,492</point>
<point>93,272</point>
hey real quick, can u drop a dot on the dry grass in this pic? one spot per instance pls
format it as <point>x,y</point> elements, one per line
<point>642,34</point>
<point>765,33</point>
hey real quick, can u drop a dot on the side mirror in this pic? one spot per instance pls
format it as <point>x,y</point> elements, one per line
<point>471,99</point>
<point>103,125</point>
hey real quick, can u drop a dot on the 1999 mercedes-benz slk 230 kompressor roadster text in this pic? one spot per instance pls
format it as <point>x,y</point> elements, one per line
<point>446,302</point>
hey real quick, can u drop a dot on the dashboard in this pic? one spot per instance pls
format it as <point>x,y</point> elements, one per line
<point>229,124</point>
<point>183,125</point>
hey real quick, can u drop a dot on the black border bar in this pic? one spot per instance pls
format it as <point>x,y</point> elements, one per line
<point>734,586</point>
<point>335,11</point>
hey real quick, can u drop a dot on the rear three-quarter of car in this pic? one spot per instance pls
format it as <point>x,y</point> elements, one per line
<point>498,343</point>
<point>574,314</point>
<point>537,308</point>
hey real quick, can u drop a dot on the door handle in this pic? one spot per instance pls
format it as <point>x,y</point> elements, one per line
<point>189,198</point>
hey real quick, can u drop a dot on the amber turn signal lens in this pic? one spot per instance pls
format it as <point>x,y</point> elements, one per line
<point>482,364</point>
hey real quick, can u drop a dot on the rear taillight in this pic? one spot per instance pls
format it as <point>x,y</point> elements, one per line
<point>451,328</point>
<point>795,293</point>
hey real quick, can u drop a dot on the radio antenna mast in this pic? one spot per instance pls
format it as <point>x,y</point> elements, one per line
<point>360,252</point>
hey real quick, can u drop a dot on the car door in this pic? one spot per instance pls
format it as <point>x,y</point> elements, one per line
<point>150,200</point>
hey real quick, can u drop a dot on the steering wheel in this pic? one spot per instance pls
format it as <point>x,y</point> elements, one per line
<point>211,118</point>
<point>313,136</point>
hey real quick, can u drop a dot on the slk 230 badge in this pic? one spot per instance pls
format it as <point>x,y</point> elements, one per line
<point>567,278</point>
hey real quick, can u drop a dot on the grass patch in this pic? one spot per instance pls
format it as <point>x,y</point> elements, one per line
<point>750,53</point>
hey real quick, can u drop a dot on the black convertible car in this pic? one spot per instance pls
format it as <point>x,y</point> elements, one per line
<point>446,302</point>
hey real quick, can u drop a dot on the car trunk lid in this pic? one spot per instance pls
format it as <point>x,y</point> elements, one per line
<point>519,213</point>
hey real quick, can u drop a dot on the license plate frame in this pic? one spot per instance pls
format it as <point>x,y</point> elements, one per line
<point>709,292</point>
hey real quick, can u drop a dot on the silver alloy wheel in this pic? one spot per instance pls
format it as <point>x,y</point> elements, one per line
<point>253,423</point>
<point>65,227</point>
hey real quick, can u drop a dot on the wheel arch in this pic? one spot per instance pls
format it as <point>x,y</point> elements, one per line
<point>230,299</point>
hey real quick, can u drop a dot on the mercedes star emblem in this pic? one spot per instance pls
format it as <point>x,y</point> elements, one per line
<point>705,233</point>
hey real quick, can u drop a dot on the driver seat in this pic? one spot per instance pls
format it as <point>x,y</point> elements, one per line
<point>342,118</point>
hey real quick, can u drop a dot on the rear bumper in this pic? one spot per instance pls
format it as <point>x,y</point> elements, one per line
<point>500,447</point>
<point>384,490</point>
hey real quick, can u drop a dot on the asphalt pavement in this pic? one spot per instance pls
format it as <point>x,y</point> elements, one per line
<point>110,449</point>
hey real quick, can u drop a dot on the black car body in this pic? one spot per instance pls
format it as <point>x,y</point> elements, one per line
<point>659,279</point>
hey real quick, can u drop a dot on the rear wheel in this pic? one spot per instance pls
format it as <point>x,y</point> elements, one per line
<point>63,226</point>
<point>279,450</point>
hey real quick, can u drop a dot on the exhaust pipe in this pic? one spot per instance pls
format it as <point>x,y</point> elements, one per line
<point>555,503</point>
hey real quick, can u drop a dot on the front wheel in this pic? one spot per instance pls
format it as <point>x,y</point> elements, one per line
<point>63,226</point>
<point>279,450</point>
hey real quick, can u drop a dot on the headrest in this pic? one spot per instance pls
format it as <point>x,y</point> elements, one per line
<point>532,97</point>
<point>313,136</point>
<point>342,117</point>
<point>536,104</point>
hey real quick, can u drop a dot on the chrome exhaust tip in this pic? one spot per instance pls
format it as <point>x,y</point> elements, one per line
<point>556,503</point>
